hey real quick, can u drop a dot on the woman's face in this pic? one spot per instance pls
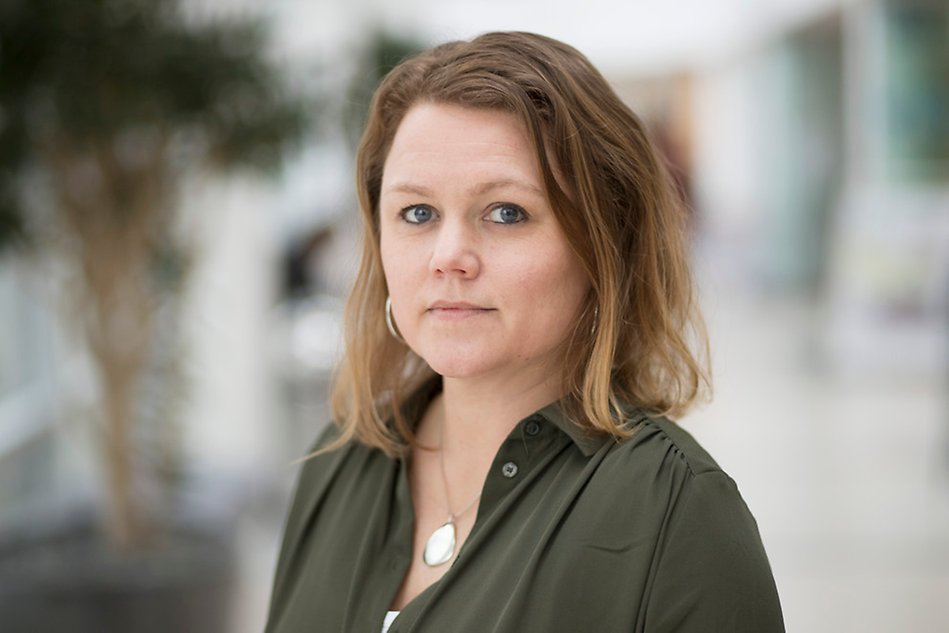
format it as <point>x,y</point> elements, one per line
<point>482,280</point>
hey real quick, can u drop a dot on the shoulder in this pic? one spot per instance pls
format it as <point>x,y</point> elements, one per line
<point>321,467</point>
<point>706,538</point>
<point>334,492</point>
<point>663,477</point>
<point>317,465</point>
<point>661,436</point>
<point>708,542</point>
<point>320,473</point>
<point>318,488</point>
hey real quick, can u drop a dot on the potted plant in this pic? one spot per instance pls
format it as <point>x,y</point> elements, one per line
<point>105,107</point>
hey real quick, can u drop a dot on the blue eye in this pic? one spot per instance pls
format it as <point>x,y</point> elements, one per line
<point>417,214</point>
<point>506,213</point>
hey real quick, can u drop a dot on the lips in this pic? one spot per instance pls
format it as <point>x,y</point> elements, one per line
<point>456,310</point>
<point>456,305</point>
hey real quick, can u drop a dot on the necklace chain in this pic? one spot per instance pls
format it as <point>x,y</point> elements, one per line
<point>452,516</point>
<point>440,546</point>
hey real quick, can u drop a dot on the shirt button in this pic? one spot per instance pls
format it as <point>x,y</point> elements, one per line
<point>532,428</point>
<point>509,470</point>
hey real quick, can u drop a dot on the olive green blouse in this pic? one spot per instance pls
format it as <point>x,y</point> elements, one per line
<point>574,533</point>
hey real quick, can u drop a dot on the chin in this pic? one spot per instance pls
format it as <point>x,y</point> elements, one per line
<point>454,369</point>
<point>458,365</point>
<point>454,358</point>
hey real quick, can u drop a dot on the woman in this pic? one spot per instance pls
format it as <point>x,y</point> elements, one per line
<point>517,333</point>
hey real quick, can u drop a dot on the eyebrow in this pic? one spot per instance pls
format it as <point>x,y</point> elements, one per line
<point>479,189</point>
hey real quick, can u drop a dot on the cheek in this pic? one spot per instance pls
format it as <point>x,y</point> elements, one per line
<point>393,265</point>
<point>551,287</point>
<point>401,283</point>
<point>565,273</point>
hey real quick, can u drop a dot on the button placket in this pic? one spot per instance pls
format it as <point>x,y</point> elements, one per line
<point>511,464</point>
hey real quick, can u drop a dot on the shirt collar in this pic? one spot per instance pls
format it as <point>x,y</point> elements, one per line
<point>589,442</point>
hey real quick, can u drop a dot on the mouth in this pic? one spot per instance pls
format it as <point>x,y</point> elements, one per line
<point>456,310</point>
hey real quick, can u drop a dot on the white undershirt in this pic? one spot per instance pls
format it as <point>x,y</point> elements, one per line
<point>390,616</point>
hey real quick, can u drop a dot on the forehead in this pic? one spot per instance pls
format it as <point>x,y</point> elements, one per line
<point>440,140</point>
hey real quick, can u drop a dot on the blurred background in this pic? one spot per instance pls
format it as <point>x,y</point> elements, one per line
<point>178,230</point>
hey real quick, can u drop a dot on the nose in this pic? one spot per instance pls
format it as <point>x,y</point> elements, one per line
<point>455,251</point>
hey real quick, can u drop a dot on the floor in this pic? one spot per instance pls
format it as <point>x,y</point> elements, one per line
<point>847,477</point>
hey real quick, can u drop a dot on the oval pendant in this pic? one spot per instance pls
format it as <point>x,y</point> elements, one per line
<point>440,546</point>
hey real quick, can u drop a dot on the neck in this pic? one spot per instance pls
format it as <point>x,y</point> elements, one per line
<point>478,414</point>
<point>470,419</point>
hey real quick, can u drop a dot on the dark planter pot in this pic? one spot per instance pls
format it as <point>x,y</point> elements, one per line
<point>65,578</point>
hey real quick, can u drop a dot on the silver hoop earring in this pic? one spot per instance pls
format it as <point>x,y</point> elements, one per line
<point>390,323</point>
<point>596,317</point>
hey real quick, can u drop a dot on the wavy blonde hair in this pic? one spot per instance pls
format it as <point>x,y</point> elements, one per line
<point>618,207</point>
